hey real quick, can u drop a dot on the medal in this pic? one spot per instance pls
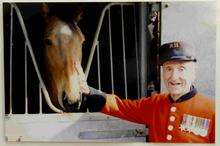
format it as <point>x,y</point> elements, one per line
<point>194,124</point>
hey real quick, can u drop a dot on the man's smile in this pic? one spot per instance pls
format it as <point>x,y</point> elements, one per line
<point>174,84</point>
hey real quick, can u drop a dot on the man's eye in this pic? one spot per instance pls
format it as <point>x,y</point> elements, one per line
<point>181,69</point>
<point>168,69</point>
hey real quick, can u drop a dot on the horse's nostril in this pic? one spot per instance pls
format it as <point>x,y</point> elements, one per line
<point>71,107</point>
<point>77,105</point>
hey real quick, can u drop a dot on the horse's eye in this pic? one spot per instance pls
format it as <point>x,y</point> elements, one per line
<point>48,42</point>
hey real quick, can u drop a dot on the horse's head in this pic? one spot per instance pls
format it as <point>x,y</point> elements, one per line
<point>63,53</point>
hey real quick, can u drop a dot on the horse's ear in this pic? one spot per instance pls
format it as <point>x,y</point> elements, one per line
<point>78,14</point>
<point>45,10</point>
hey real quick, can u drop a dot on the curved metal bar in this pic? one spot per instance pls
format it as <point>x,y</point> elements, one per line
<point>98,67</point>
<point>110,49</point>
<point>97,35</point>
<point>47,97</point>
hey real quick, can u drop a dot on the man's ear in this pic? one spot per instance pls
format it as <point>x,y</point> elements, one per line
<point>78,14</point>
<point>44,10</point>
<point>194,70</point>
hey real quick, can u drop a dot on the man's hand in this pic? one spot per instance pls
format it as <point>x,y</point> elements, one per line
<point>93,101</point>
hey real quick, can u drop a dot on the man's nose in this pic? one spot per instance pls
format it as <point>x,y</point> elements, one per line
<point>175,74</point>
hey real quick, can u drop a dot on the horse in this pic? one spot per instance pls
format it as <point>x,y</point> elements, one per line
<point>63,40</point>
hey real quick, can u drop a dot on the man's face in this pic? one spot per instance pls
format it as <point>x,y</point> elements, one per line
<point>178,76</point>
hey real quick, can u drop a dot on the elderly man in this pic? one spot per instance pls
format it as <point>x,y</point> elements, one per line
<point>181,115</point>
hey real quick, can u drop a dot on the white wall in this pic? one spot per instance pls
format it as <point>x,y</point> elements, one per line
<point>194,22</point>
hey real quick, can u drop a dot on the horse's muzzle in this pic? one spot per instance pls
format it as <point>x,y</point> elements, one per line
<point>74,107</point>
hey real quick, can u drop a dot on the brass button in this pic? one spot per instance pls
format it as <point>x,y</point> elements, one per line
<point>170,127</point>
<point>172,118</point>
<point>173,109</point>
<point>169,137</point>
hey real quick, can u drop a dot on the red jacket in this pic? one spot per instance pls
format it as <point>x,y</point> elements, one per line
<point>191,120</point>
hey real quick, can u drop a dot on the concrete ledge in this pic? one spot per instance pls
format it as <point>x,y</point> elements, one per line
<point>72,127</point>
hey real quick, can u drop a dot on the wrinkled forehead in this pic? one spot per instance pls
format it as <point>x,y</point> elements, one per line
<point>174,63</point>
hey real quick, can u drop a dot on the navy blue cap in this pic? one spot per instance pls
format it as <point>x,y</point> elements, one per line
<point>176,51</point>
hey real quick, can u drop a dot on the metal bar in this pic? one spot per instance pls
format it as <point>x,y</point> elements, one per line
<point>11,46</point>
<point>25,78</point>
<point>136,55</point>
<point>98,67</point>
<point>40,99</point>
<point>47,98</point>
<point>124,53</point>
<point>110,48</point>
<point>97,35</point>
<point>143,48</point>
<point>158,44</point>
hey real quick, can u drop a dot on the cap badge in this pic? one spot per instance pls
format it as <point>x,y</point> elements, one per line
<point>174,45</point>
<point>196,125</point>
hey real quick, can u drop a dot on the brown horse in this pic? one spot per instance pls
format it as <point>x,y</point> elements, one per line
<point>65,79</point>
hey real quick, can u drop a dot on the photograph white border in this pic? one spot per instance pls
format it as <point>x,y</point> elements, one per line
<point>2,141</point>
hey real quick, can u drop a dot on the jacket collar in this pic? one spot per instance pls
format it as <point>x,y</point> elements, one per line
<point>186,96</point>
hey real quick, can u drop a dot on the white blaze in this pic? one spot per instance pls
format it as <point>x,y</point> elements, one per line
<point>65,30</point>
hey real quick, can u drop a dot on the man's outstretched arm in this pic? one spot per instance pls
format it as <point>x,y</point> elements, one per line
<point>132,110</point>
